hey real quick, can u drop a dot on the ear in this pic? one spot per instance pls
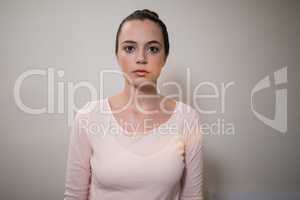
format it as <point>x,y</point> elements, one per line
<point>165,61</point>
<point>117,56</point>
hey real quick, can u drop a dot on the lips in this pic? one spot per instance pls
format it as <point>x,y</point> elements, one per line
<point>141,71</point>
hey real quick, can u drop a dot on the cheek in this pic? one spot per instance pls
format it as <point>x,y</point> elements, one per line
<point>158,61</point>
<point>125,61</point>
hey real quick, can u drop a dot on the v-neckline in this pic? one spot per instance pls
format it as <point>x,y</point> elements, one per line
<point>140,133</point>
<point>166,147</point>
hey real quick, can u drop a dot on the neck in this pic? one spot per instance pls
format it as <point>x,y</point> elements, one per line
<point>141,99</point>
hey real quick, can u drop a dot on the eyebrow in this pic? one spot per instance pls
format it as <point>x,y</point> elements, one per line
<point>150,42</point>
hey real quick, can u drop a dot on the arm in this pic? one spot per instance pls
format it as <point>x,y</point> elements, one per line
<point>192,179</point>
<point>78,171</point>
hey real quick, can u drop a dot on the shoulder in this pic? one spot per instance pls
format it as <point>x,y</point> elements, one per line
<point>190,121</point>
<point>187,112</point>
<point>92,108</point>
<point>91,114</point>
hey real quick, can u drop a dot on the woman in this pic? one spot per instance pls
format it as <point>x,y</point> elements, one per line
<point>152,165</point>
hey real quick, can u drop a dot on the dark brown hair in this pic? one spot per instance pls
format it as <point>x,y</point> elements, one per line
<point>142,15</point>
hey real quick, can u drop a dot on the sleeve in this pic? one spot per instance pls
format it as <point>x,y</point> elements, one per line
<point>78,172</point>
<point>192,179</point>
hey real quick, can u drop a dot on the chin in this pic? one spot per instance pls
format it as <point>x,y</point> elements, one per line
<point>142,81</point>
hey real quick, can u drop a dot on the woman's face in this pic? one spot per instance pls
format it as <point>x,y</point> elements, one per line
<point>141,47</point>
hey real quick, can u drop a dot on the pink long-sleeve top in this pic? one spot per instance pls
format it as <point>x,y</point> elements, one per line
<point>106,162</point>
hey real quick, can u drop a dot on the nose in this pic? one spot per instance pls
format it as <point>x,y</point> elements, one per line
<point>141,57</point>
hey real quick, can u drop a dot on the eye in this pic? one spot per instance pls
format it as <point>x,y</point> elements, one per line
<point>153,49</point>
<point>128,49</point>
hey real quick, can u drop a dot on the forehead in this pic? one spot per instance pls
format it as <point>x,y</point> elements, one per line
<point>140,31</point>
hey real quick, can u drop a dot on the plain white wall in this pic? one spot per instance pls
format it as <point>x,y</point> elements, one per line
<point>219,41</point>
